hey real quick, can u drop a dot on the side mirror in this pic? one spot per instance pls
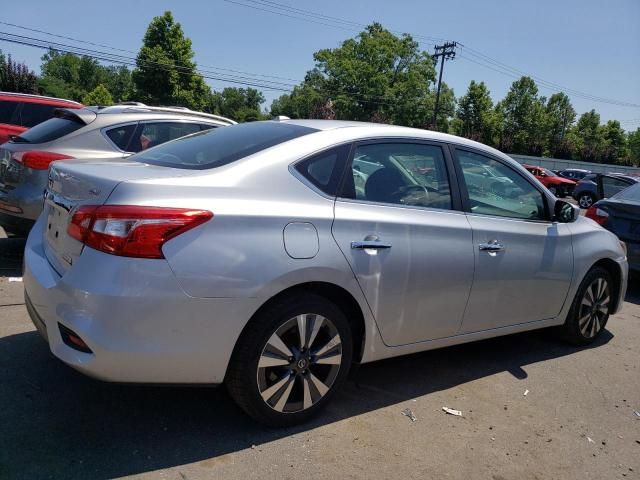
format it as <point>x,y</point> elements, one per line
<point>564,212</point>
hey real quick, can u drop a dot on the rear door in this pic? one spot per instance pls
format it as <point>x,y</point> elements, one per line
<point>609,185</point>
<point>399,225</point>
<point>523,260</point>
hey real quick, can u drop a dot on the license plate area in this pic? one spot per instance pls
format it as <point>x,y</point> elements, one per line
<point>56,228</point>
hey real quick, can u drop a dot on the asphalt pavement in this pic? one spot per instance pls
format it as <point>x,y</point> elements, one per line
<point>532,407</point>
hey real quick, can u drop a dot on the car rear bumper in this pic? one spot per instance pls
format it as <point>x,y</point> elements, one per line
<point>24,201</point>
<point>139,324</point>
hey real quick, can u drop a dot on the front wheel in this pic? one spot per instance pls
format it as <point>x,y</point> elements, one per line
<point>590,309</point>
<point>290,360</point>
<point>554,190</point>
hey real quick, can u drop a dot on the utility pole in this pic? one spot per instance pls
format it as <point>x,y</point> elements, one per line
<point>447,51</point>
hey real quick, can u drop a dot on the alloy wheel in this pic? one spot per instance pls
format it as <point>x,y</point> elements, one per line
<point>585,201</point>
<point>594,308</point>
<point>299,363</point>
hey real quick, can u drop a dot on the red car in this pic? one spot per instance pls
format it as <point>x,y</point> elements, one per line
<point>559,186</point>
<point>21,111</point>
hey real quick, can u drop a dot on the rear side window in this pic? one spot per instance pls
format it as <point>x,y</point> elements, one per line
<point>221,146</point>
<point>122,135</point>
<point>7,110</point>
<point>52,129</point>
<point>324,170</point>
<point>32,114</point>
<point>632,193</point>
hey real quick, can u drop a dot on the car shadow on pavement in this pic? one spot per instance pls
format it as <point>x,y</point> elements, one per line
<point>57,423</point>
<point>11,252</point>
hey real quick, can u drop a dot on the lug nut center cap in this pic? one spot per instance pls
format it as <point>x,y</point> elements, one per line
<point>302,363</point>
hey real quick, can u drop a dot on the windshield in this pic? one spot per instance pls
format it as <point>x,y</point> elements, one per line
<point>50,130</point>
<point>221,146</point>
<point>549,173</point>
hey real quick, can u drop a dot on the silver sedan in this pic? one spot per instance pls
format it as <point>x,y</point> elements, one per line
<point>273,256</point>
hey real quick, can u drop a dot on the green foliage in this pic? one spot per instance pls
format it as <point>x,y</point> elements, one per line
<point>475,117</point>
<point>16,77</point>
<point>166,73</point>
<point>633,143</point>
<point>70,76</point>
<point>614,147</point>
<point>560,118</point>
<point>587,137</point>
<point>376,76</point>
<point>98,96</point>
<point>239,104</point>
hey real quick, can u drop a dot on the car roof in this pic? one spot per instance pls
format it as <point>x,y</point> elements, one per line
<point>135,108</point>
<point>30,98</point>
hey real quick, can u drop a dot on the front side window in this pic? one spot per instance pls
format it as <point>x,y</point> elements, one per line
<point>505,193</point>
<point>410,174</point>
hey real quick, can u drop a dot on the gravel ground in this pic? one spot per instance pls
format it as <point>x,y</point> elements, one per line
<point>577,420</point>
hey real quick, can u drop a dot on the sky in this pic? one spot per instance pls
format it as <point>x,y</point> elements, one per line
<point>589,46</point>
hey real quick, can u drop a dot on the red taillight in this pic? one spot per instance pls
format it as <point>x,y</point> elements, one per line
<point>597,214</point>
<point>132,231</point>
<point>37,159</point>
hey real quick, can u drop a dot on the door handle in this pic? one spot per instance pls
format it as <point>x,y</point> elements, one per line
<point>366,244</point>
<point>491,246</point>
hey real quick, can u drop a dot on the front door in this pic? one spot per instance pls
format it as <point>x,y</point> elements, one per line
<point>523,260</point>
<point>400,228</point>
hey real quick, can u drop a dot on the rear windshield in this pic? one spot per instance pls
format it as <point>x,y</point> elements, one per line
<point>50,130</point>
<point>221,146</point>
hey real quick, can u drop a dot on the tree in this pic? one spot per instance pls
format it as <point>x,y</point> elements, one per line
<point>67,75</point>
<point>16,77</point>
<point>588,138</point>
<point>165,72</point>
<point>633,141</point>
<point>525,122</point>
<point>375,76</point>
<point>242,105</point>
<point>560,116</point>
<point>614,148</point>
<point>98,96</point>
<point>474,115</point>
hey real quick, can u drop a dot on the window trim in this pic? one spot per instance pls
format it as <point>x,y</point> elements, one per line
<point>465,193</point>
<point>104,131</point>
<point>456,199</point>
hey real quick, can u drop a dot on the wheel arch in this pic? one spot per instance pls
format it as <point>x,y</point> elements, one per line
<point>616,275</point>
<point>332,292</point>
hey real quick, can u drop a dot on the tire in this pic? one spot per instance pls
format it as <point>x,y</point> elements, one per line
<point>278,379</point>
<point>585,200</point>
<point>589,311</point>
<point>554,190</point>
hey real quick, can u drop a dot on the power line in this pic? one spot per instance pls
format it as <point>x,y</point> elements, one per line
<point>479,57</point>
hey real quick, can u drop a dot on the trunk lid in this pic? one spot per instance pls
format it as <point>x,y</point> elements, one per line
<point>78,182</point>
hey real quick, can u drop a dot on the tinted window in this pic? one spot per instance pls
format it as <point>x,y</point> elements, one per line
<point>7,110</point>
<point>505,193</point>
<point>611,185</point>
<point>121,135</point>
<point>32,114</point>
<point>152,134</point>
<point>400,173</point>
<point>324,170</point>
<point>52,129</point>
<point>221,146</point>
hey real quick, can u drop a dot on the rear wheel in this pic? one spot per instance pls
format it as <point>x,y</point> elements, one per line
<point>590,309</point>
<point>585,200</point>
<point>290,360</point>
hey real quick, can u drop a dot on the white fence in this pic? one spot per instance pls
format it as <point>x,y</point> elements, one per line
<point>558,164</point>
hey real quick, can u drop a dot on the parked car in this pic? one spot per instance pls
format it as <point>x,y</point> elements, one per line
<point>559,186</point>
<point>574,174</point>
<point>246,256</point>
<point>620,214</point>
<point>587,191</point>
<point>20,111</point>
<point>89,133</point>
